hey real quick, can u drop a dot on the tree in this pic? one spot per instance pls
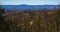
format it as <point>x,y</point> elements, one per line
<point>3,24</point>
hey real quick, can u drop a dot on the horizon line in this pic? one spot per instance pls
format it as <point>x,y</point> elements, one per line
<point>29,4</point>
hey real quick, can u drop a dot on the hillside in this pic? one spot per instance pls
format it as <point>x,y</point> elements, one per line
<point>34,21</point>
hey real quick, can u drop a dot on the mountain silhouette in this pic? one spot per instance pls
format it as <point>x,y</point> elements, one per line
<point>25,7</point>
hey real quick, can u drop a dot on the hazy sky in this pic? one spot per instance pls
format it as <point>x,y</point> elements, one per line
<point>29,2</point>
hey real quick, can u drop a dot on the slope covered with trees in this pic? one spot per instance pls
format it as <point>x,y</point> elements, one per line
<point>30,21</point>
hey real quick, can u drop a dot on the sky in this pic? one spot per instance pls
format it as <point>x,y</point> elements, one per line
<point>29,2</point>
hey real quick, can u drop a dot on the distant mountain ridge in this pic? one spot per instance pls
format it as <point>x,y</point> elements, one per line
<point>24,7</point>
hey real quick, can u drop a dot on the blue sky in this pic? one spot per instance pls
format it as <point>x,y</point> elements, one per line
<point>29,2</point>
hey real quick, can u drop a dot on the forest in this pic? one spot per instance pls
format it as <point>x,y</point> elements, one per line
<point>30,21</point>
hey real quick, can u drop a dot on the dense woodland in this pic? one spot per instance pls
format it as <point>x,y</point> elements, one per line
<point>30,21</point>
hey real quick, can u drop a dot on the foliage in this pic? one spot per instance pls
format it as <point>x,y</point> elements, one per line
<point>42,21</point>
